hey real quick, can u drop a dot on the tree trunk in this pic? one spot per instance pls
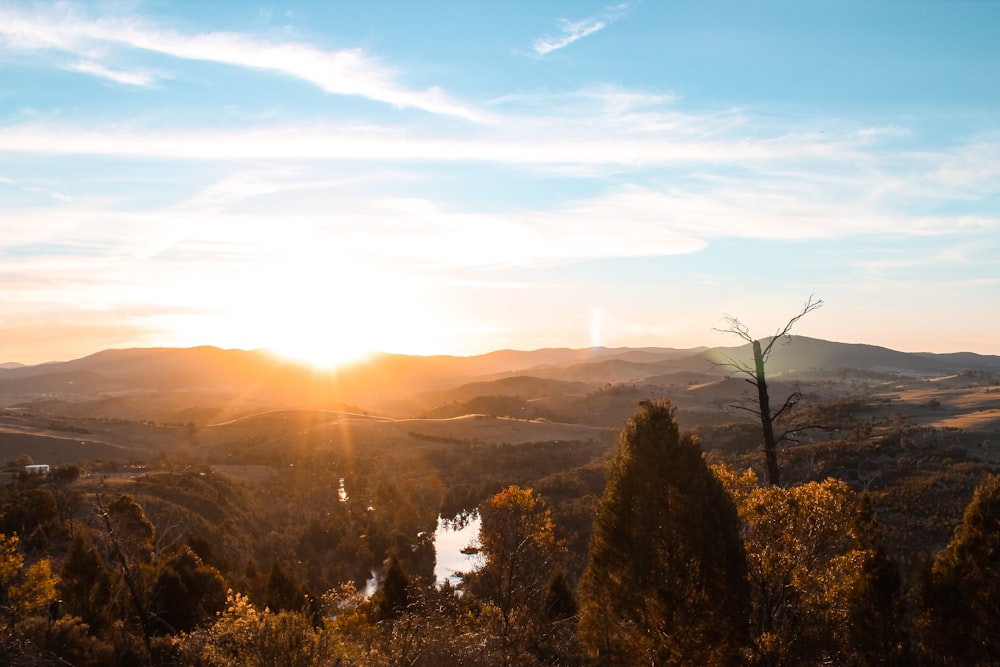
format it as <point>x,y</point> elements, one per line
<point>764,403</point>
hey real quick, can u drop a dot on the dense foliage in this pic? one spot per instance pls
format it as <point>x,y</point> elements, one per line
<point>586,555</point>
<point>666,579</point>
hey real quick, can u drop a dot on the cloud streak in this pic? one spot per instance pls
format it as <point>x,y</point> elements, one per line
<point>571,31</point>
<point>129,78</point>
<point>342,72</point>
<point>535,146</point>
<point>226,225</point>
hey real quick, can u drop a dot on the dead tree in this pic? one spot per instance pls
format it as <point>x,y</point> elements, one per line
<point>757,377</point>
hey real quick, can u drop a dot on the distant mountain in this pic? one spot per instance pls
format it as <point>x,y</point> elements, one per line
<point>801,353</point>
<point>11,364</point>
<point>408,383</point>
<point>965,360</point>
<point>165,369</point>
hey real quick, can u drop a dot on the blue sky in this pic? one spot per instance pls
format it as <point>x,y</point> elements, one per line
<point>325,178</point>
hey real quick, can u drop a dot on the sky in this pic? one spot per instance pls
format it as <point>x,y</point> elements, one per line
<point>329,178</point>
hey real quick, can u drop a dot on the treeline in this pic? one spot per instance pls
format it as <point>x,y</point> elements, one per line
<point>650,557</point>
<point>696,565</point>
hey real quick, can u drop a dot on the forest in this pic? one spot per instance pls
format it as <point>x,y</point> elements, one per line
<point>659,541</point>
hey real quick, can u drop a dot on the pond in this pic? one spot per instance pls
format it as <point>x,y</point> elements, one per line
<point>450,537</point>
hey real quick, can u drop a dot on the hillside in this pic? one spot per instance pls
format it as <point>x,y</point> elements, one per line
<point>291,482</point>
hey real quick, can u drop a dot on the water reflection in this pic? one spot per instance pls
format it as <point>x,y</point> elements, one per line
<point>450,537</point>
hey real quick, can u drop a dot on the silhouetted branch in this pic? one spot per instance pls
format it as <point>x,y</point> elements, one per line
<point>789,403</point>
<point>810,305</point>
<point>756,375</point>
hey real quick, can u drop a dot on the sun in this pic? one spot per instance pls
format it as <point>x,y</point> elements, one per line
<point>332,312</point>
<point>323,348</point>
<point>326,331</point>
<point>317,308</point>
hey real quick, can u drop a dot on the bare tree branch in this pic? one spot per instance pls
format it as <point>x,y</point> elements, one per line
<point>756,375</point>
<point>810,305</point>
<point>803,427</point>
<point>789,403</point>
<point>743,407</point>
<point>736,327</point>
<point>162,545</point>
<point>738,366</point>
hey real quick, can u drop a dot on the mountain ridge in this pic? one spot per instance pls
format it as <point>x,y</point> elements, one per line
<point>799,353</point>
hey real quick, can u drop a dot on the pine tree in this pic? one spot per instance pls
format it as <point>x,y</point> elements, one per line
<point>960,595</point>
<point>394,596</point>
<point>665,582</point>
<point>86,587</point>
<point>284,592</point>
<point>560,604</point>
<point>874,628</point>
<point>187,592</point>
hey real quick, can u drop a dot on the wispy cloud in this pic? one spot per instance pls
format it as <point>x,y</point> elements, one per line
<point>34,189</point>
<point>62,29</point>
<point>708,183</point>
<point>540,143</point>
<point>573,30</point>
<point>233,222</point>
<point>130,78</point>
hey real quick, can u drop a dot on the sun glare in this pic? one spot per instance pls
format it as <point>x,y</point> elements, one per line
<point>312,307</point>
<point>330,311</point>
<point>322,348</point>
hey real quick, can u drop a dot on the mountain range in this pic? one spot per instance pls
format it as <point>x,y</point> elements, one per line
<point>212,369</point>
<point>204,383</point>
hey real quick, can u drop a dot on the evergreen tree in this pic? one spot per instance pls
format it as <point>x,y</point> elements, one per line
<point>133,534</point>
<point>960,595</point>
<point>34,515</point>
<point>187,592</point>
<point>284,592</point>
<point>394,597</point>
<point>560,603</point>
<point>665,582</point>
<point>874,629</point>
<point>86,587</point>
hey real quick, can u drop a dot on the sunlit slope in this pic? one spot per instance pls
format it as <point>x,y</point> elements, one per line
<point>209,385</point>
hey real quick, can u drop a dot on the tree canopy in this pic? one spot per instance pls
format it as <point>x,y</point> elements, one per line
<point>665,582</point>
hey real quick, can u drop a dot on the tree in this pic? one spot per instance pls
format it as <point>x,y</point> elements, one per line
<point>284,591</point>
<point>756,375</point>
<point>394,597</point>
<point>821,583</point>
<point>131,533</point>
<point>665,581</point>
<point>245,636</point>
<point>33,514</point>
<point>874,632</point>
<point>130,537</point>
<point>187,591</point>
<point>960,595</point>
<point>518,547</point>
<point>85,585</point>
<point>25,591</point>
<point>560,604</point>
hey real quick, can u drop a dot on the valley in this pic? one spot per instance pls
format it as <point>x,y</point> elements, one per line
<point>271,472</point>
